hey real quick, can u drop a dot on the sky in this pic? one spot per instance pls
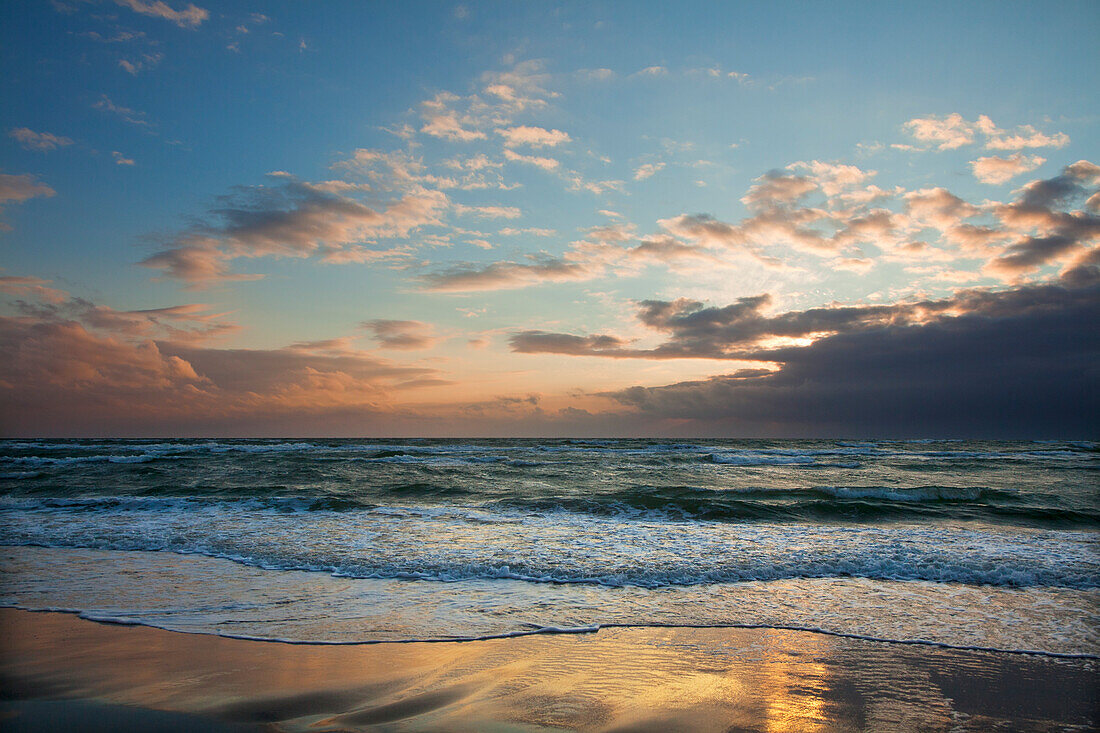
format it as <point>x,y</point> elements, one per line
<point>549,219</point>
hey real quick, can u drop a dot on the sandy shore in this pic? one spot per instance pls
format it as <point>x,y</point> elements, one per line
<point>58,667</point>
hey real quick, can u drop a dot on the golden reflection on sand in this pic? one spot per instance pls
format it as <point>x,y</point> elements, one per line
<point>617,680</point>
<point>795,701</point>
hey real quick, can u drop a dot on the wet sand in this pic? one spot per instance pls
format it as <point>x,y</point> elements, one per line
<point>56,666</point>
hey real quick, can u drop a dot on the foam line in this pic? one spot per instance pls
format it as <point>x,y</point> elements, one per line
<point>562,630</point>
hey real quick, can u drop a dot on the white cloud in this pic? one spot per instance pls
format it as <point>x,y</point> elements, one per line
<point>995,170</point>
<point>536,137</point>
<point>948,133</point>
<point>531,231</point>
<point>548,164</point>
<point>645,171</point>
<point>954,131</point>
<point>489,212</point>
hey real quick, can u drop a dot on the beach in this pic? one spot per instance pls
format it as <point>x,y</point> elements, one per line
<point>613,680</point>
<point>531,584</point>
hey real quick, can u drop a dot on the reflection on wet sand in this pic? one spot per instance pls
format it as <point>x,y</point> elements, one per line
<point>618,679</point>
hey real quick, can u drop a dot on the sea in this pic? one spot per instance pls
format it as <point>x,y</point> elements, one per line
<point>970,544</point>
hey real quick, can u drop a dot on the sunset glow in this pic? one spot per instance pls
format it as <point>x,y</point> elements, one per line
<point>548,219</point>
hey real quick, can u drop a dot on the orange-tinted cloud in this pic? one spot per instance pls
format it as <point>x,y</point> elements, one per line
<point>994,169</point>
<point>191,16</point>
<point>40,141</point>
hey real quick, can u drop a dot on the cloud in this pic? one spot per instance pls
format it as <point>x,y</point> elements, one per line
<point>746,330</point>
<point>519,89</point>
<point>405,335</point>
<point>547,164</point>
<point>489,212</point>
<point>400,170</point>
<point>579,183</point>
<point>831,210</point>
<point>833,178</point>
<point>668,250</point>
<point>473,163</point>
<point>1044,232</point>
<point>536,137</point>
<point>190,323</point>
<point>441,121</point>
<point>997,170</point>
<point>1026,136</point>
<point>643,172</point>
<point>190,17</point>
<point>71,366</point>
<point>503,96</point>
<point>121,159</point>
<point>40,141</point>
<point>19,188</point>
<point>778,188</point>
<point>448,127</point>
<point>62,378</point>
<point>530,231</point>
<point>31,287</point>
<point>477,172</point>
<point>604,249</point>
<point>937,207</point>
<point>542,342</point>
<point>292,219</point>
<point>710,232</point>
<point>119,37</point>
<point>651,71</point>
<point>948,133</point>
<point>197,261</point>
<point>505,275</point>
<point>126,114</point>
<point>1018,366</point>
<point>136,66</point>
<point>22,187</point>
<point>954,131</point>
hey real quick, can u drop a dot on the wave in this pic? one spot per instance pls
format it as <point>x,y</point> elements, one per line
<point>843,504</point>
<point>913,494</point>
<point>926,566</point>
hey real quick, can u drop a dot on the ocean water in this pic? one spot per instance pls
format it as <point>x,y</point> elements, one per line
<point>971,544</point>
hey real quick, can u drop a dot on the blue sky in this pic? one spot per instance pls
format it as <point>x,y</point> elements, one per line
<point>449,217</point>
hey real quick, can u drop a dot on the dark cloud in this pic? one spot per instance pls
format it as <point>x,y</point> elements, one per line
<point>1019,364</point>
<point>401,334</point>
<point>741,330</point>
<point>506,275</point>
<point>292,219</point>
<point>535,342</point>
<point>1060,233</point>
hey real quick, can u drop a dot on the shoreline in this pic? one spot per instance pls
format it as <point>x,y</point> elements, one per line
<point>655,678</point>
<point>566,631</point>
